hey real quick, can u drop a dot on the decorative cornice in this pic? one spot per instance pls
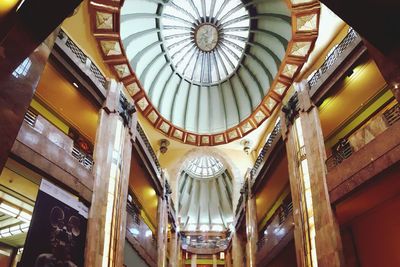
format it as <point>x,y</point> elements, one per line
<point>105,16</point>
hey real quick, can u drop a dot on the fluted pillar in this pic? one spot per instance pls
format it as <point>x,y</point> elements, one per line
<point>237,250</point>
<point>316,233</point>
<point>112,156</point>
<point>251,227</point>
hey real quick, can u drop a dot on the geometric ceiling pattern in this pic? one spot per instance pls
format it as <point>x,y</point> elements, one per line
<point>205,72</point>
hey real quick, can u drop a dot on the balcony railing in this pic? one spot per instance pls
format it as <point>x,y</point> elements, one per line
<point>333,57</point>
<point>347,146</point>
<point>81,58</point>
<point>149,148</point>
<point>267,146</point>
<point>30,118</point>
<point>83,158</point>
<point>392,115</point>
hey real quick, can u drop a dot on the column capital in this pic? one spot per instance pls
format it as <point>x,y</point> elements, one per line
<point>299,102</point>
<point>304,99</point>
<point>119,103</point>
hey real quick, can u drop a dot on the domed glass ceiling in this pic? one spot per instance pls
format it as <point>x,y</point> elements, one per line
<point>205,40</point>
<point>205,72</point>
<point>205,167</point>
<point>205,204</point>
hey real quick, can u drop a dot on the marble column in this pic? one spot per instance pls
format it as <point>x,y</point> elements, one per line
<point>174,251</point>
<point>112,156</point>
<point>316,233</point>
<point>228,258</point>
<point>193,261</point>
<point>26,39</point>
<point>214,259</point>
<point>162,228</point>
<point>251,227</point>
<point>237,250</point>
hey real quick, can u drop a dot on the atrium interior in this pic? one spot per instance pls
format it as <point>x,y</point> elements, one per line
<point>209,133</point>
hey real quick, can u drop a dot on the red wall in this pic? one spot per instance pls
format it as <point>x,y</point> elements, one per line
<point>286,258</point>
<point>377,235</point>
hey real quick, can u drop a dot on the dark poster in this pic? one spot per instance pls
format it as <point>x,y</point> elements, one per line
<point>56,237</point>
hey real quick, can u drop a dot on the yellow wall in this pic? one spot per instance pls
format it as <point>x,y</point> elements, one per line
<point>78,29</point>
<point>139,183</point>
<point>7,6</point>
<point>377,103</point>
<point>48,115</point>
<point>63,99</point>
<point>354,92</point>
<point>275,186</point>
<point>377,235</point>
<point>320,59</point>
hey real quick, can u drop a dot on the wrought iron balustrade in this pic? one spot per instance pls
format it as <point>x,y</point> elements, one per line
<point>82,57</point>
<point>333,57</point>
<point>30,118</point>
<point>138,229</point>
<point>148,146</point>
<point>83,158</point>
<point>392,115</point>
<point>267,146</point>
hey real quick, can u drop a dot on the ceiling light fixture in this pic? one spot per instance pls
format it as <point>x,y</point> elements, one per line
<point>164,143</point>
<point>76,85</point>
<point>14,230</point>
<point>15,212</point>
<point>246,146</point>
<point>349,72</point>
<point>134,231</point>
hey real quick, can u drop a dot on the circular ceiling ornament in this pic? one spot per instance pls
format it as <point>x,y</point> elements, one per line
<point>199,40</point>
<point>205,72</point>
<point>206,37</point>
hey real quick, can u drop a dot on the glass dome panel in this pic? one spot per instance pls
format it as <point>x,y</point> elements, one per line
<point>203,25</point>
<point>205,167</point>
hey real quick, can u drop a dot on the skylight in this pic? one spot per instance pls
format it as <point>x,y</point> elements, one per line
<point>205,167</point>
<point>205,40</point>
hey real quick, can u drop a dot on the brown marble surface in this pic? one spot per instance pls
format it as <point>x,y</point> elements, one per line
<point>277,237</point>
<point>24,37</point>
<point>327,236</point>
<point>48,149</point>
<point>144,245</point>
<point>371,159</point>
